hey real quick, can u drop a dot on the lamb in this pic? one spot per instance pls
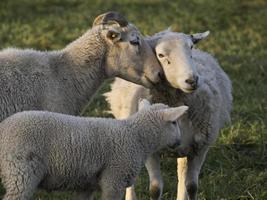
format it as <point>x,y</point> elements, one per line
<point>62,152</point>
<point>64,81</point>
<point>193,78</point>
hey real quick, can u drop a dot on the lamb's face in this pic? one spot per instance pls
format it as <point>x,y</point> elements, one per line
<point>174,51</point>
<point>130,57</point>
<point>165,122</point>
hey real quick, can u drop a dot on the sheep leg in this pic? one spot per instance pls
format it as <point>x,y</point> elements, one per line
<point>156,183</point>
<point>182,170</point>
<point>188,173</point>
<point>111,193</point>
<point>21,180</point>
<point>130,193</point>
<point>111,185</point>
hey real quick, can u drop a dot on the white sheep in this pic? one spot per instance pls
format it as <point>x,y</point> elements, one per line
<point>53,151</point>
<point>65,80</point>
<point>196,80</point>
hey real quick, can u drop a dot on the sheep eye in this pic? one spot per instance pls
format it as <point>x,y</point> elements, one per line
<point>160,55</point>
<point>174,122</point>
<point>168,62</point>
<point>191,46</point>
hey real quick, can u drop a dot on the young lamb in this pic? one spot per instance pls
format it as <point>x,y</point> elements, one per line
<point>62,152</point>
<point>64,81</point>
<point>194,78</point>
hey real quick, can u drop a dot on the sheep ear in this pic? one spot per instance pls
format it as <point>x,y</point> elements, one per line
<point>172,114</point>
<point>113,35</point>
<point>199,36</point>
<point>143,103</point>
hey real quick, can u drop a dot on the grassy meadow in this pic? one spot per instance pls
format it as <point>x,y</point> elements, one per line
<point>236,166</point>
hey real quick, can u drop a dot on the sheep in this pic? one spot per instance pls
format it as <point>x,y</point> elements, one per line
<point>193,78</point>
<point>64,81</point>
<point>53,151</point>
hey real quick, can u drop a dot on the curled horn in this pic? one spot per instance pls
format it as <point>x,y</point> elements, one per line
<point>108,17</point>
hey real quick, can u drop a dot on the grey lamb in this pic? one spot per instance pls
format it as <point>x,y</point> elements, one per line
<point>64,81</point>
<point>62,152</point>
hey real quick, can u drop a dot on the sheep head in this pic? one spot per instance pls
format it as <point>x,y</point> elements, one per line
<point>164,120</point>
<point>176,55</point>
<point>128,55</point>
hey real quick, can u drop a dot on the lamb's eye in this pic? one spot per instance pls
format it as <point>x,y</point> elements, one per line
<point>191,46</point>
<point>174,122</point>
<point>168,62</point>
<point>160,55</point>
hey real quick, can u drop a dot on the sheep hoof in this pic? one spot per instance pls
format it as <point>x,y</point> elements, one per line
<point>192,190</point>
<point>154,192</point>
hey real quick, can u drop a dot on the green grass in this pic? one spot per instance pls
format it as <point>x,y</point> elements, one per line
<point>236,167</point>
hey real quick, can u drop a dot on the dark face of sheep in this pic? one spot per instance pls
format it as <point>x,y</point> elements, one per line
<point>128,55</point>
<point>166,120</point>
<point>175,53</point>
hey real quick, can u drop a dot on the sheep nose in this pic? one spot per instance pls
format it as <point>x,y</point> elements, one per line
<point>161,76</point>
<point>156,76</point>
<point>193,82</point>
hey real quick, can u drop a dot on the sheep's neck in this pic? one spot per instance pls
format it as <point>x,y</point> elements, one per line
<point>145,136</point>
<point>167,95</point>
<point>85,70</point>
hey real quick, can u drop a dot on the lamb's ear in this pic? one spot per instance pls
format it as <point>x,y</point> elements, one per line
<point>172,114</point>
<point>113,35</point>
<point>199,36</point>
<point>143,103</point>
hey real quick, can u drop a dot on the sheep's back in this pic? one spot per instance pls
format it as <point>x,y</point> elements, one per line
<point>23,78</point>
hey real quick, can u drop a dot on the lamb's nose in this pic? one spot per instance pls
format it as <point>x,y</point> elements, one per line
<point>177,143</point>
<point>192,82</point>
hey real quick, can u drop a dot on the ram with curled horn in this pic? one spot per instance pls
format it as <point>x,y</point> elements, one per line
<point>64,81</point>
<point>111,17</point>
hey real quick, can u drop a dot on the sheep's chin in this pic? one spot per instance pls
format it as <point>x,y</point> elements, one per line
<point>185,90</point>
